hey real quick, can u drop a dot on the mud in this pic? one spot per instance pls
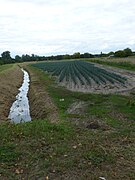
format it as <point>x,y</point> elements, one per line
<point>10,81</point>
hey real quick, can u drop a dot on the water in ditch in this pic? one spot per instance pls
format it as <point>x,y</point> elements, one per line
<point>20,110</point>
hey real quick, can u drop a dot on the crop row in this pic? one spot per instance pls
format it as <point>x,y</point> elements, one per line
<point>80,72</point>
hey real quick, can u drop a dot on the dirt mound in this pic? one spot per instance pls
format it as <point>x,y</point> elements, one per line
<point>10,81</point>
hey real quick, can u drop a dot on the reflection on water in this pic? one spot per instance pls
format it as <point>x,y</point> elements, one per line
<point>20,111</point>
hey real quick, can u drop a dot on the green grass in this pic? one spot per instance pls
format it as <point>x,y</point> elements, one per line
<point>71,150</point>
<point>38,149</point>
<point>5,67</point>
<point>8,153</point>
<point>24,144</point>
<point>98,104</point>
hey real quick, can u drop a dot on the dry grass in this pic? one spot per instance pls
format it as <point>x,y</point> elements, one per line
<point>41,105</point>
<point>127,59</point>
<point>10,81</point>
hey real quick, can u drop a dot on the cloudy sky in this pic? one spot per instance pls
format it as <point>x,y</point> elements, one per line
<point>46,27</point>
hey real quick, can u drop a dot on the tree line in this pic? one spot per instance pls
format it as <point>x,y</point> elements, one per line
<point>6,57</point>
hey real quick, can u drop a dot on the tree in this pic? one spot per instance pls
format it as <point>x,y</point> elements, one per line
<point>34,57</point>
<point>17,58</point>
<point>26,57</point>
<point>120,53</point>
<point>66,56</point>
<point>123,53</point>
<point>76,55</point>
<point>110,53</point>
<point>6,55</point>
<point>6,58</point>
<point>128,52</point>
<point>87,55</point>
<point>1,61</point>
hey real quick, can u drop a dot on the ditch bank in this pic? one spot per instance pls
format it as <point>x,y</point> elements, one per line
<point>10,81</point>
<point>41,104</point>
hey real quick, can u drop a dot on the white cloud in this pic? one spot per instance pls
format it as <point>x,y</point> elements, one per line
<point>66,26</point>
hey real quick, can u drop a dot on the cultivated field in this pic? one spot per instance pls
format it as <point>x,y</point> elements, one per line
<point>87,77</point>
<point>72,135</point>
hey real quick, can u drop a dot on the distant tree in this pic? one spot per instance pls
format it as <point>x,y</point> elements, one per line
<point>133,53</point>
<point>128,52</point>
<point>66,56</point>
<point>81,55</point>
<point>110,53</point>
<point>120,53</point>
<point>58,57</point>
<point>87,55</point>
<point>76,55</point>
<point>26,57</point>
<point>123,53</point>
<point>1,61</point>
<point>6,55</point>
<point>6,58</point>
<point>18,58</point>
<point>34,57</point>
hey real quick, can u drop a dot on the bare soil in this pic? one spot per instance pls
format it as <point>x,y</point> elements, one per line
<point>107,88</point>
<point>78,116</point>
<point>10,81</point>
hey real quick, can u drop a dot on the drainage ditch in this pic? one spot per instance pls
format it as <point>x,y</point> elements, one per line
<point>20,110</point>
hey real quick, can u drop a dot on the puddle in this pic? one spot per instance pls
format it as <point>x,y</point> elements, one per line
<point>20,111</point>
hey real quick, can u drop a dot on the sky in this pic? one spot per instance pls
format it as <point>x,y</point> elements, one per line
<point>50,27</point>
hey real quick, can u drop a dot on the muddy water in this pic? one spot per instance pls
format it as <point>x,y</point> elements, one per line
<point>20,111</point>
